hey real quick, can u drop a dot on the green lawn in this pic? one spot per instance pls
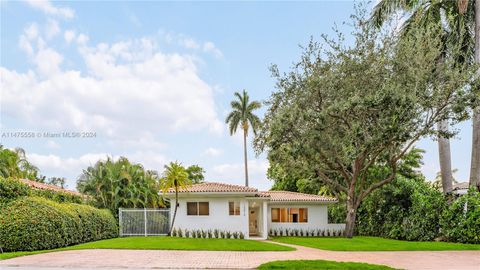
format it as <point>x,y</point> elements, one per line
<point>319,264</point>
<point>166,243</point>
<point>365,243</point>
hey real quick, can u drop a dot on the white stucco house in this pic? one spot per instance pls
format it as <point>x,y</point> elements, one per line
<point>211,206</point>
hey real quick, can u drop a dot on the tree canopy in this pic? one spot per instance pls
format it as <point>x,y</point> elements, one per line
<point>115,184</point>
<point>343,109</point>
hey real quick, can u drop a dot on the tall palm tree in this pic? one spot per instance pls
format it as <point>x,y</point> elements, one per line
<point>455,18</point>
<point>475,161</point>
<point>175,177</point>
<point>242,116</point>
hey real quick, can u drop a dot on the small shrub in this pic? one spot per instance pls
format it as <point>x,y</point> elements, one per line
<point>222,234</point>
<point>235,235</point>
<point>187,233</point>
<point>216,233</point>
<point>228,235</point>
<point>180,233</point>
<point>174,232</point>
<point>241,235</point>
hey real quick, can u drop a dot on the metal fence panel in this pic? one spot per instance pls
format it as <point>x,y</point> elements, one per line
<point>143,222</point>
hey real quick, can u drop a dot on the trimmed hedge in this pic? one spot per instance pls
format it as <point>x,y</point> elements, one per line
<point>34,223</point>
<point>11,188</point>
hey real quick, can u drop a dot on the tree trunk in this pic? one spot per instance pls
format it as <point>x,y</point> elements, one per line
<point>445,159</point>
<point>351,217</point>
<point>475,161</point>
<point>245,155</point>
<point>174,212</point>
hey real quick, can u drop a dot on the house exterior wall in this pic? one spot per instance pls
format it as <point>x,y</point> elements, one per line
<point>317,218</point>
<point>218,217</point>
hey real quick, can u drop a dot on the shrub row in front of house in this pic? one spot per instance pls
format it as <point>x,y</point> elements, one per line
<point>207,234</point>
<point>305,232</point>
<point>35,223</point>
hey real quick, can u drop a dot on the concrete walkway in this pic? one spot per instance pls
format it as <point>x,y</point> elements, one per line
<point>172,259</point>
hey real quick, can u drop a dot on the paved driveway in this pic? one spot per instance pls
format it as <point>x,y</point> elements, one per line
<point>171,259</point>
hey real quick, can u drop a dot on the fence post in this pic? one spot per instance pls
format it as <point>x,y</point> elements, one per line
<point>145,219</point>
<point>120,221</point>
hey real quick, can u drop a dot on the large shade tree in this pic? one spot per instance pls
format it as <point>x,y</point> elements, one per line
<point>456,19</point>
<point>344,109</point>
<point>175,177</point>
<point>242,116</point>
<point>115,184</point>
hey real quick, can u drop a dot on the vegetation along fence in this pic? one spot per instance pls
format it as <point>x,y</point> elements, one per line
<point>143,222</point>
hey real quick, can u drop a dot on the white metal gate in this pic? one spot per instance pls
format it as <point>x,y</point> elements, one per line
<point>143,222</point>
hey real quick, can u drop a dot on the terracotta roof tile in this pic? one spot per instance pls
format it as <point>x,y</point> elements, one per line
<point>288,196</point>
<point>276,196</point>
<point>215,187</point>
<point>38,185</point>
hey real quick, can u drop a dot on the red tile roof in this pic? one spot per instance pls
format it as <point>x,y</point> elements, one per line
<point>288,196</point>
<point>215,187</point>
<point>38,185</point>
<point>275,196</point>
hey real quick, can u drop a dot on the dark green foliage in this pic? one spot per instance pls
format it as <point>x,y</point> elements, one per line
<point>195,174</point>
<point>337,213</point>
<point>407,209</point>
<point>461,221</point>
<point>11,189</point>
<point>57,196</point>
<point>34,223</point>
<point>114,184</point>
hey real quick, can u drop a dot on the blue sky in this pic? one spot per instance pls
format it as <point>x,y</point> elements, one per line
<point>153,80</point>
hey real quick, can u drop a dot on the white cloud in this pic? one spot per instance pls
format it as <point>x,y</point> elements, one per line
<point>130,89</point>
<point>213,152</point>
<point>52,29</point>
<point>49,9</point>
<point>211,48</point>
<point>30,34</point>
<point>234,174</point>
<point>69,35</point>
<point>82,39</point>
<point>190,43</point>
<point>72,167</point>
<point>52,144</point>
<point>48,62</point>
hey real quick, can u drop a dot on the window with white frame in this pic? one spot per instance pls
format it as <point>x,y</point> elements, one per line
<point>289,215</point>
<point>198,208</point>
<point>234,208</point>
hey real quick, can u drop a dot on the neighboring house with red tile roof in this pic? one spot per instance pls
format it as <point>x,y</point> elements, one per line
<point>226,207</point>
<point>38,185</point>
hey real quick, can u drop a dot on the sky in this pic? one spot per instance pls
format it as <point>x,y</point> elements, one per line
<point>152,81</point>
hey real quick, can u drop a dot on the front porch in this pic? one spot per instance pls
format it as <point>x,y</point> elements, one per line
<point>257,218</point>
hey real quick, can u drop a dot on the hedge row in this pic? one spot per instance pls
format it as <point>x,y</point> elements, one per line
<point>414,210</point>
<point>35,223</point>
<point>11,189</point>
